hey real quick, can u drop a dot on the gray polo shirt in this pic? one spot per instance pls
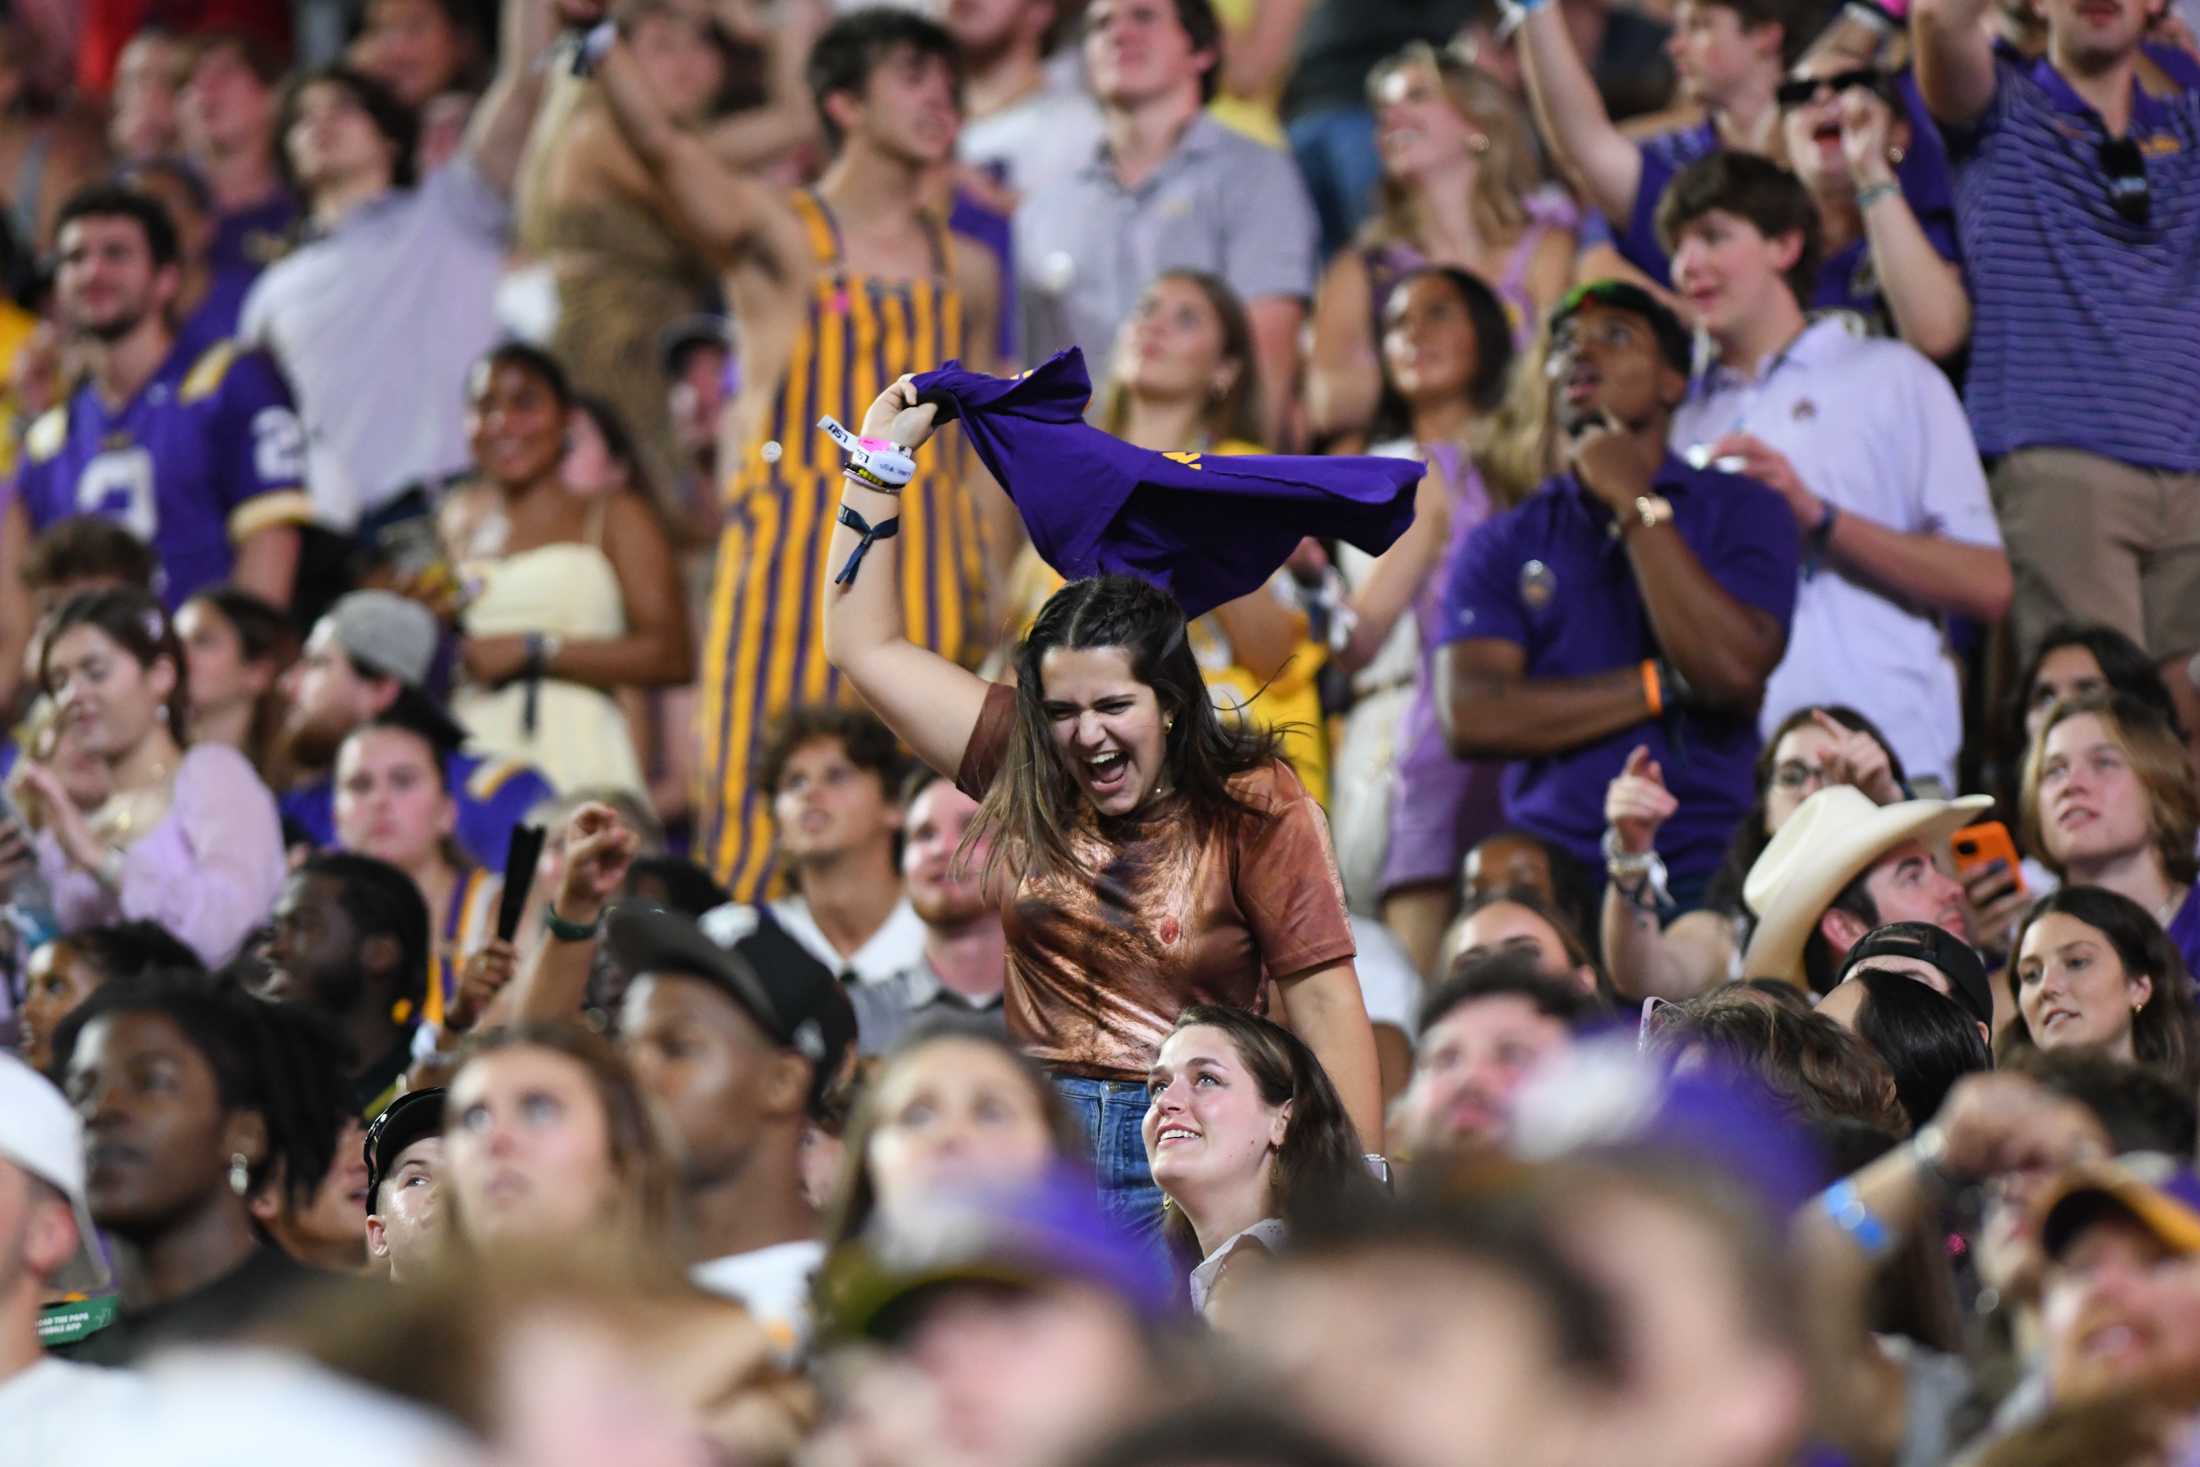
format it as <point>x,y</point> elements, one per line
<point>1086,245</point>
<point>375,324</point>
<point>886,1011</point>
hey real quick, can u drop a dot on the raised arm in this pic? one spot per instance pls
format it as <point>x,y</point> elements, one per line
<point>719,203</point>
<point>926,699</point>
<point>1344,376</point>
<point>1570,113</point>
<point>1400,572</point>
<point>1990,1127</point>
<point>553,980</point>
<point>497,135</point>
<point>1954,59</point>
<point>1723,647</point>
<point>788,119</point>
<point>1925,290</point>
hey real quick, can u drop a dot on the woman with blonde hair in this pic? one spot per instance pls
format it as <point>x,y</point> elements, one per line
<point>2110,801</point>
<point>1462,186</point>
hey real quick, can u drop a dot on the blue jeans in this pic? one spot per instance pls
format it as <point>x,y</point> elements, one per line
<point>1335,151</point>
<point>1113,1111</point>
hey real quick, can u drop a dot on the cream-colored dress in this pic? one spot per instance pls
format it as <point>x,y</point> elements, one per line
<point>568,590</point>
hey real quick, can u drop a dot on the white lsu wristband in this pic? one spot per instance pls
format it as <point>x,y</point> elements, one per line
<point>877,458</point>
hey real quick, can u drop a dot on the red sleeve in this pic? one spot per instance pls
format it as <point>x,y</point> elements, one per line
<point>1287,881</point>
<point>987,750</point>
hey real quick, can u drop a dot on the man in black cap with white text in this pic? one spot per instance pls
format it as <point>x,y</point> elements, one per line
<point>741,1045</point>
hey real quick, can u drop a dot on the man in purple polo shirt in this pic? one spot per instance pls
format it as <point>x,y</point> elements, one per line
<point>1632,601</point>
<point>2078,201</point>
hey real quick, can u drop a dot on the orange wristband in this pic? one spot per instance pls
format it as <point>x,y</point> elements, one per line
<point>1650,690</point>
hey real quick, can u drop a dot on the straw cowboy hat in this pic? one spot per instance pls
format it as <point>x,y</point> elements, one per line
<point>1832,836</point>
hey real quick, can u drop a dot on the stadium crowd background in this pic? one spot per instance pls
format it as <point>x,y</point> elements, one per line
<point>554,915</point>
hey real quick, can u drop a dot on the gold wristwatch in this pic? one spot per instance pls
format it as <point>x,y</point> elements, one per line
<point>1652,510</point>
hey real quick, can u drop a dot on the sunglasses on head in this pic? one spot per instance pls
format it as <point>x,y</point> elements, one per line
<point>2126,168</point>
<point>1805,89</point>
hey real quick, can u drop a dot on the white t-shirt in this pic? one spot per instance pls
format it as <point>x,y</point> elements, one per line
<point>1049,132</point>
<point>46,1410</point>
<point>774,1283</point>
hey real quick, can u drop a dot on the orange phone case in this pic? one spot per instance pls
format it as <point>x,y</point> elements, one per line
<point>1979,845</point>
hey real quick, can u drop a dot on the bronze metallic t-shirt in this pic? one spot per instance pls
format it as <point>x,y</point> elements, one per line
<point>1157,915</point>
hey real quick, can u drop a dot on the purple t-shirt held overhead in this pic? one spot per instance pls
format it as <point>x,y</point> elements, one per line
<point>2086,324</point>
<point>1551,577</point>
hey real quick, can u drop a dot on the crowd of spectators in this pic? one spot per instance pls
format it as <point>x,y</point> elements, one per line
<point>589,871</point>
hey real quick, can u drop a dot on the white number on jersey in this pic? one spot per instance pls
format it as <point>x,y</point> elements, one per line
<point>278,447</point>
<point>118,485</point>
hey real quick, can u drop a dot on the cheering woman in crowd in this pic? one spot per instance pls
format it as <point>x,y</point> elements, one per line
<point>188,838</point>
<point>1159,858</point>
<point>1244,1132</point>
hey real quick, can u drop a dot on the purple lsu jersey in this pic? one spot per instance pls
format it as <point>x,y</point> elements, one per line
<point>209,451</point>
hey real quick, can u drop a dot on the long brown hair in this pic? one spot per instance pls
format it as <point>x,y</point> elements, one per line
<point>1034,802</point>
<point>2163,1031</point>
<point>649,1236</point>
<point>1320,1164</point>
<point>2157,757</point>
<point>1505,174</point>
<point>1231,414</point>
<point>134,621</point>
<point>855,1195</point>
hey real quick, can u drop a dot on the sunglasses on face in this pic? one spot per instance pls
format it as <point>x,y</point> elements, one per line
<point>2126,168</point>
<point>1805,90</point>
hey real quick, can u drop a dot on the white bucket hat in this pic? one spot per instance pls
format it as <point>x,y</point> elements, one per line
<point>1832,836</point>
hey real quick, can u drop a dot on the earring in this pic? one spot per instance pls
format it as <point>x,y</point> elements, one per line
<point>1478,144</point>
<point>1894,156</point>
<point>240,1173</point>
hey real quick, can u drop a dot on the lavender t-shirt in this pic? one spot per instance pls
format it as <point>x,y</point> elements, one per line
<point>209,872</point>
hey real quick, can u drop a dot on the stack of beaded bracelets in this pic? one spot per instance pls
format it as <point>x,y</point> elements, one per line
<point>875,463</point>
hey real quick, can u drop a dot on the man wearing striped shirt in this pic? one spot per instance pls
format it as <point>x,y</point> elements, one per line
<point>2078,207</point>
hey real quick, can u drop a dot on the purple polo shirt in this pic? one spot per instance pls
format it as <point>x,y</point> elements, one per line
<point>1847,280</point>
<point>2086,326</point>
<point>1551,577</point>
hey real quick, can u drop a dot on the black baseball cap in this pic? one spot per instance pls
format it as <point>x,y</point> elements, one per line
<point>413,1116</point>
<point>1674,341</point>
<point>745,953</point>
<point>1956,959</point>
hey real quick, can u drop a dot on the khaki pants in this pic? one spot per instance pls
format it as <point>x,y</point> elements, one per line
<point>2094,540</point>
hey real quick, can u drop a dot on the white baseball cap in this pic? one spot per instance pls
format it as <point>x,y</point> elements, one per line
<point>39,1133</point>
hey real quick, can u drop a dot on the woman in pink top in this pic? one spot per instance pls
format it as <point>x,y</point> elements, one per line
<point>189,839</point>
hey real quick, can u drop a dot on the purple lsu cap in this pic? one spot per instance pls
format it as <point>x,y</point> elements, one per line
<point>1053,1231</point>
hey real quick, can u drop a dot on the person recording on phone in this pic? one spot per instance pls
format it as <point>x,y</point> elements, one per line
<point>1630,601</point>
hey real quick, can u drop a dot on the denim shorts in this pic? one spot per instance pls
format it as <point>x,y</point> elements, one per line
<point>1113,1112</point>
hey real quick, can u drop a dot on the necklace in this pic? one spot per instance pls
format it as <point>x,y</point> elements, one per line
<point>129,814</point>
<point>2166,912</point>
